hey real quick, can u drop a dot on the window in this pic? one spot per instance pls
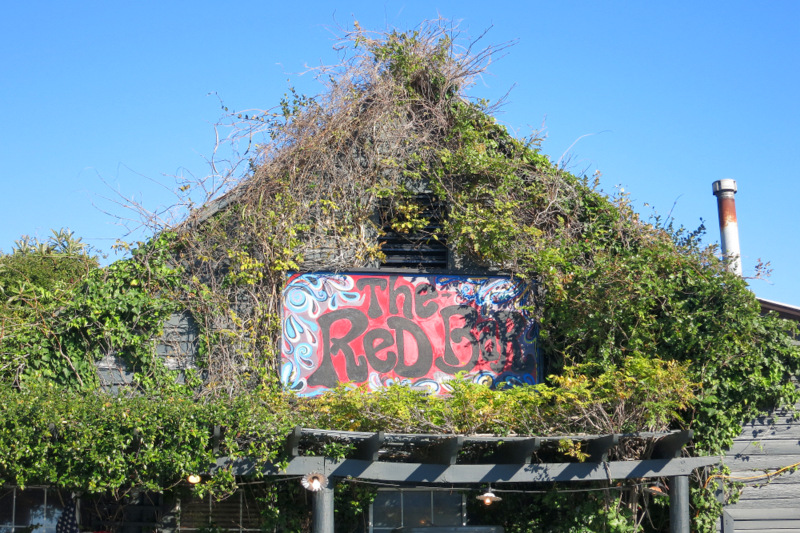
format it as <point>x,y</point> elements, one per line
<point>30,510</point>
<point>416,507</point>
<point>240,512</point>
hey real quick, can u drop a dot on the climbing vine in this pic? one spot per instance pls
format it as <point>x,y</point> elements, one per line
<point>58,333</point>
<point>641,326</point>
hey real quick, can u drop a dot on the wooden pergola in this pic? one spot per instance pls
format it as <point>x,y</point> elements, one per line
<point>435,459</point>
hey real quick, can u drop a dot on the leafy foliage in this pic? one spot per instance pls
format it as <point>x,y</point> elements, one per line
<point>61,260</point>
<point>642,327</point>
<point>619,400</point>
<point>97,442</point>
<point>564,511</point>
<point>57,335</point>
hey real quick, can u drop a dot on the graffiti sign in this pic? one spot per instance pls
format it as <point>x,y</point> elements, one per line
<point>419,330</point>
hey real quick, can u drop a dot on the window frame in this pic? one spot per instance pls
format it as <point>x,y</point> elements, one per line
<point>49,526</point>
<point>401,491</point>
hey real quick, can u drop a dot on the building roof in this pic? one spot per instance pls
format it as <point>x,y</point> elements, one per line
<point>789,312</point>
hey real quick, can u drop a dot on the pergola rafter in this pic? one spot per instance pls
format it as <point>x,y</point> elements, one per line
<point>434,459</point>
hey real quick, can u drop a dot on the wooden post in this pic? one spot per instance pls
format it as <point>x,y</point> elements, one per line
<point>679,504</point>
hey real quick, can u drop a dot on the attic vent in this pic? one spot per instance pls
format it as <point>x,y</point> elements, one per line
<point>417,248</point>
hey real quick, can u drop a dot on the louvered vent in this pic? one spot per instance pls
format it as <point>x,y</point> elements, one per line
<point>418,249</point>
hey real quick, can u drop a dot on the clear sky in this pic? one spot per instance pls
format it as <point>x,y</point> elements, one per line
<point>663,98</point>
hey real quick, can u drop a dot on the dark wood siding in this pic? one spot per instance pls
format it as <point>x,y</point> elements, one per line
<point>767,445</point>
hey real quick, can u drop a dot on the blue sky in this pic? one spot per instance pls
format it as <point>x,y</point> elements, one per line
<point>663,98</point>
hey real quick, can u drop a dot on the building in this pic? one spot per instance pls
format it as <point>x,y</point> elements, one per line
<point>393,231</point>
<point>764,460</point>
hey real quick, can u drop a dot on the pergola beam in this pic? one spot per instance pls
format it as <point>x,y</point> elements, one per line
<point>516,452</point>
<point>427,473</point>
<point>441,452</point>
<point>433,459</point>
<point>599,447</point>
<point>367,449</point>
<point>670,445</point>
<point>292,443</point>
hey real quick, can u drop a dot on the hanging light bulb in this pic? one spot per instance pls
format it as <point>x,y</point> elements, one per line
<point>489,497</point>
<point>314,481</point>
<point>194,479</point>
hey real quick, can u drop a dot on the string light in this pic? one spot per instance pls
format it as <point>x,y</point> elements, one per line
<point>489,497</point>
<point>314,481</point>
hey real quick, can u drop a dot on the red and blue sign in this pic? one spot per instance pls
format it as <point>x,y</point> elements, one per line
<point>418,330</point>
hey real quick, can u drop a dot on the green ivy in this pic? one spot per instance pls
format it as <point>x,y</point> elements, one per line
<point>60,333</point>
<point>641,326</point>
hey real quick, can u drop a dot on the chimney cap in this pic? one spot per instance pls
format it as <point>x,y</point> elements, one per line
<point>724,186</point>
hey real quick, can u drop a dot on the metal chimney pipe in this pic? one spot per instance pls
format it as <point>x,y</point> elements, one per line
<point>728,226</point>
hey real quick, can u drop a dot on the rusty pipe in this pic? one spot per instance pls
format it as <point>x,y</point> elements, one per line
<point>724,190</point>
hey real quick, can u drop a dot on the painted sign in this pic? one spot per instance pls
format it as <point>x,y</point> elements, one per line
<point>418,330</point>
